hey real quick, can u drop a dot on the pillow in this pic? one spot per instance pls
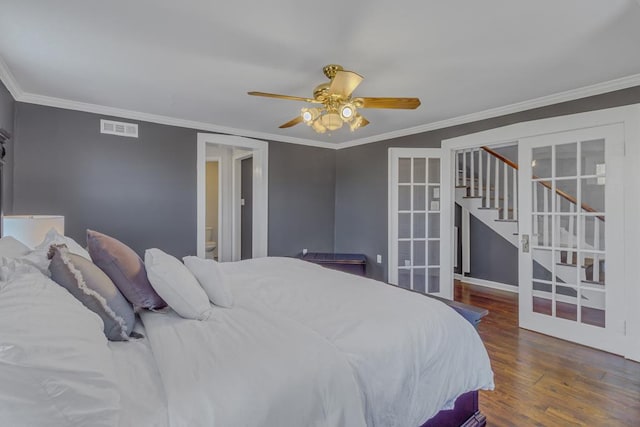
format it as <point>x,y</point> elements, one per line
<point>125,268</point>
<point>212,280</point>
<point>55,366</point>
<point>34,261</point>
<point>54,238</point>
<point>173,281</point>
<point>95,290</point>
<point>12,248</point>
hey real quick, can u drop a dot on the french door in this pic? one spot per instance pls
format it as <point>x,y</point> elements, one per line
<point>571,255</point>
<point>419,257</point>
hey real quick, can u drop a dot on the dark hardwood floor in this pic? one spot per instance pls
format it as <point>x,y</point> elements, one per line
<point>544,381</point>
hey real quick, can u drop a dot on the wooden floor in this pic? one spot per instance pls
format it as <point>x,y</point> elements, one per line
<point>544,381</point>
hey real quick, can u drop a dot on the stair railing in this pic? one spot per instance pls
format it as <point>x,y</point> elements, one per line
<point>480,165</point>
<point>491,178</point>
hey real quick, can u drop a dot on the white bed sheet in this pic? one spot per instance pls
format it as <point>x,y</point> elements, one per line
<point>246,367</point>
<point>143,400</point>
<point>307,346</point>
<point>411,355</point>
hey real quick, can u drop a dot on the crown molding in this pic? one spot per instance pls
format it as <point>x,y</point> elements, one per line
<point>9,80</point>
<point>19,95</point>
<point>557,98</point>
<point>49,101</point>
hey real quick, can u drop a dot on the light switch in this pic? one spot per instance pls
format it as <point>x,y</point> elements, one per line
<point>379,259</point>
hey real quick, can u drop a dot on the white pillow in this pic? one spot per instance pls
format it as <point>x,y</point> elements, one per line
<point>54,238</point>
<point>176,285</point>
<point>212,280</point>
<point>55,366</point>
<point>12,248</point>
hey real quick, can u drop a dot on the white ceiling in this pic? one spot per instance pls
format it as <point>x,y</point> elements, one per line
<point>194,60</point>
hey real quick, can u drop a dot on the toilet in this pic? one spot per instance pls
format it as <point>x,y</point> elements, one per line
<point>210,245</point>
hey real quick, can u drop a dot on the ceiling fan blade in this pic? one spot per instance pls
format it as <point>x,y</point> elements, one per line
<point>292,122</point>
<point>399,103</point>
<point>344,83</point>
<point>364,122</point>
<point>290,98</point>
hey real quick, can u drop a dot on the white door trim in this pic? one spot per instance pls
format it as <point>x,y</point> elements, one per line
<point>260,152</point>
<point>219,160</point>
<point>630,117</point>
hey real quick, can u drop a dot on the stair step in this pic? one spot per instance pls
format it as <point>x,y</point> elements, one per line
<point>506,220</point>
<point>591,282</point>
<point>472,197</point>
<point>488,209</point>
<point>568,265</point>
<point>462,186</point>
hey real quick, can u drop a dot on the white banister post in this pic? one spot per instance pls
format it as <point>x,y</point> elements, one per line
<point>572,235</point>
<point>464,167</point>
<point>480,187</point>
<point>545,218</point>
<point>458,166</point>
<point>473,173</point>
<point>488,183</point>
<point>535,236</point>
<point>496,187</point>
<point>596,246</point>
<point>515,194</point>
<point>505,196</point>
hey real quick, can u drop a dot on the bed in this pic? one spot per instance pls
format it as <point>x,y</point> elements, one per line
<point>302,346</point>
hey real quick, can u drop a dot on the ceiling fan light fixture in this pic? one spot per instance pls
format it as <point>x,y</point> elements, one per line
<point>309,115</point>
<point>317,126</point>
<point>356,122</point>
<point>347,112</point>
<point>331,121</point>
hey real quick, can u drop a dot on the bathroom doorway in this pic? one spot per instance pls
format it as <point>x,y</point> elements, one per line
<point>212,224</point>
<point>233,239</point>
<point>246,207</point>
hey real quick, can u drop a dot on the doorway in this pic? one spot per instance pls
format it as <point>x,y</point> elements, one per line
<point>246,207</point>
<point>571,176</point>
<point>229,150</point>
<point>213,206</point>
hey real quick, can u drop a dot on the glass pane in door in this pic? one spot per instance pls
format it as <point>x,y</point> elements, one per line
<point>418,223</point>
<point>568,231</point>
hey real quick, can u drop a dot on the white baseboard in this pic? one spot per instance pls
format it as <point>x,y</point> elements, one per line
<point>486,283</point>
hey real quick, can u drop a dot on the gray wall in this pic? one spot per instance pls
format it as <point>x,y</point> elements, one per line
<point>7,105</point>
<point>361,175</point>
<point>143,191</point>
<point>492,257</point>
<point>301,199</point>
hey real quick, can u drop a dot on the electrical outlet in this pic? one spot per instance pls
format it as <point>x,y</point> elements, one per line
<point>379,259</point>
<point>304,252</point>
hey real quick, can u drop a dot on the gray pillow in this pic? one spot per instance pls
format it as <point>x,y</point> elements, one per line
<point>125,268</point>
<point>93,288</point>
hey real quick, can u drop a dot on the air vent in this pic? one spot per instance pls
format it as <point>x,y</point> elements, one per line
<point>119,128</point>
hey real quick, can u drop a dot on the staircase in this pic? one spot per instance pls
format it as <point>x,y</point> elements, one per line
<point>487,186</point>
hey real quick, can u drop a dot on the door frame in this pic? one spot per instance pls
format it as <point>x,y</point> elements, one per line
<point>629,116</point>
<point>260,152</point>
<point>219,160</point>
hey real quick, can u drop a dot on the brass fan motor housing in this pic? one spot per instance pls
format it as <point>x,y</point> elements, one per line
<point>331,70</point>
<point>320,92</point>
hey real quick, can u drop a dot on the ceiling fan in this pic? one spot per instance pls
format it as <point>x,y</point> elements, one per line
<point>336,105</point>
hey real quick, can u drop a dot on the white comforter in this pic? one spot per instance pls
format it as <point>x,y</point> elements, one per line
<point>307,346</point>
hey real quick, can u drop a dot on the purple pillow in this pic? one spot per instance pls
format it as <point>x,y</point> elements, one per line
<point>125,268</point>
